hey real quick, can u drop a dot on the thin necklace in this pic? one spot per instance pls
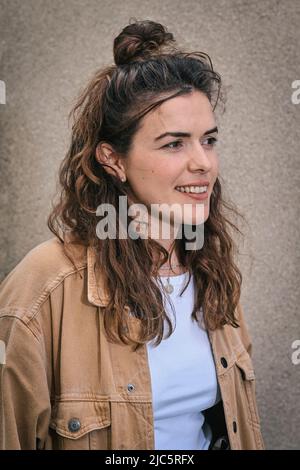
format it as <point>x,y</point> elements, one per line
<point>169,288</point>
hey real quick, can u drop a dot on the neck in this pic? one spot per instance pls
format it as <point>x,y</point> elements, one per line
<point>166,236</point>
<point>163,233</point>
<point>171,267</point>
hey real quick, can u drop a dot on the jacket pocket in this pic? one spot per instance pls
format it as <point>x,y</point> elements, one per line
<point>247,382</point>
<point>80,425</point>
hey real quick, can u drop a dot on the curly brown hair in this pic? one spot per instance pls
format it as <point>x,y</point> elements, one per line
<point>148,70</point>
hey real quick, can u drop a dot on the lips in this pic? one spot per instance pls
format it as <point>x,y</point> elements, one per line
<point>197,196</point>
<point>196,183</point>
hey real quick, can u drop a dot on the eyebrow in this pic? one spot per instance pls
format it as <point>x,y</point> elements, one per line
<point>184,134</point>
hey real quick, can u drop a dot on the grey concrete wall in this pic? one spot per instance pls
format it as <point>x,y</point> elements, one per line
<point>48,49</point>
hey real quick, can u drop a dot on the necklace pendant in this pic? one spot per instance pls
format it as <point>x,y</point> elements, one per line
<point>169,288</point>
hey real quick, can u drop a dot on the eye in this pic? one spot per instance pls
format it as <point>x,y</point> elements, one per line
<point>210,141</point>
<point>172,143</point>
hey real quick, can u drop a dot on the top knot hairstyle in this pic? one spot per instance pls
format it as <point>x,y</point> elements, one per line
<point>141,41</point>
<point>148,70</point>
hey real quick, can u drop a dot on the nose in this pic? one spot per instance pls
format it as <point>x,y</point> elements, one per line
<point>199,159</point>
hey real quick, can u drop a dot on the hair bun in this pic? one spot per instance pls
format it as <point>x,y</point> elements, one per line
<point>141,40</point>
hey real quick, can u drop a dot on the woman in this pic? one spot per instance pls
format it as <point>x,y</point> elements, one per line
<point>115,336</point>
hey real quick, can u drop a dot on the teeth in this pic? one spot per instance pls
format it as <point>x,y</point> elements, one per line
<point>191,189</point>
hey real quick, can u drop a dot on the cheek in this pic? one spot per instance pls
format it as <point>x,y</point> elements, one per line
<point>141,177</point>
<point>172,170</point>
<point>215,168</point>
<point>163,176</point>
<point>156,168</point>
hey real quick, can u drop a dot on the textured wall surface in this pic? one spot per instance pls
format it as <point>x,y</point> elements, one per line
<point>50,48</point>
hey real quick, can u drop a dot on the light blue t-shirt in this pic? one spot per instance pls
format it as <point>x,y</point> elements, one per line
<point>183,376</point>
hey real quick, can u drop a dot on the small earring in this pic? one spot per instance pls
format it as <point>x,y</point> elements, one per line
<point>123,179</point>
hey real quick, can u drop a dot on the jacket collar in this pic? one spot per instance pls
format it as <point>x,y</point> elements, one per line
<point>97,295</point>
<point>82,257</point>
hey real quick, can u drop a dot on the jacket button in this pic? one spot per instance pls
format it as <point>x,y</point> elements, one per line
<point>74,425</point>
<point>234,425</point>
<point>130,388</point>
<point>224,362</point>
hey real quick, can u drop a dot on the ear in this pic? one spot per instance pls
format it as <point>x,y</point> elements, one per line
<point>111,161</point>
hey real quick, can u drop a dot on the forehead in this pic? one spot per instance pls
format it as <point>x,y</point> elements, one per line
<point>190,112</point>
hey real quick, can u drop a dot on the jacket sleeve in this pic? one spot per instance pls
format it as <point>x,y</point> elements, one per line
<point>24,394</point>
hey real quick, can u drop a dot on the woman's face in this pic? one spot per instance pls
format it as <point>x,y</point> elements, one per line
<point>157,168</point>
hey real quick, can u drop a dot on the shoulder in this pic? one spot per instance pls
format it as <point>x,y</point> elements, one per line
<point>41,270</point>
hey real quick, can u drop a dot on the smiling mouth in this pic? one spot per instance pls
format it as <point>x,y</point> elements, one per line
<point>195,194</point>
<point>192,189</point>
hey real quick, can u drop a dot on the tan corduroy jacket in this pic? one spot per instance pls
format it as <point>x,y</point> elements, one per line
<point>63,385</point>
